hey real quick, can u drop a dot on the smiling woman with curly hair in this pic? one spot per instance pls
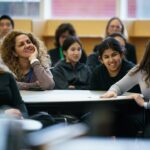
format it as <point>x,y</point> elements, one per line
<point>26,56</point>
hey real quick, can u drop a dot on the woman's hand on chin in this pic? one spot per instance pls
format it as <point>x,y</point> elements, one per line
<point>34,54</point>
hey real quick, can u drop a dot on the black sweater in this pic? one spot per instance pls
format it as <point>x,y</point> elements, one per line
<point>101,80</point>
<point>9,94</point>
<point>65,74</point>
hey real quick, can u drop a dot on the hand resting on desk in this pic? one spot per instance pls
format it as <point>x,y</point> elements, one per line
<point>109,94</point>
<point>138,99</point>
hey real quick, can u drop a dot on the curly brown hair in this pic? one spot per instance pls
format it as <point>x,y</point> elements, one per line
<point>9,57</point>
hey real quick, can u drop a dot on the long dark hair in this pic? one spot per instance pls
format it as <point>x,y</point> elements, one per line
<point>111,43</point>
<point>108,24</point>
<point>145,64</point>
<point>69,41</point>
<point>61,29</point>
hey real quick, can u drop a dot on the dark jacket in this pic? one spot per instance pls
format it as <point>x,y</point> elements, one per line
<point>130,53</point>
<point>65,74</point>
<point>93,61</point>
<point>55,56</point>
<point>101,80</point>
<point>9,94</point>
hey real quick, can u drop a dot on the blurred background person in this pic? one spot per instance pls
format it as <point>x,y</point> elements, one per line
<point>62,32</point>
<point>6,26</point>
<point>116,25</point>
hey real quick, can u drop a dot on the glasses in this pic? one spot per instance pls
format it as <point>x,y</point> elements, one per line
<point>113,26</point>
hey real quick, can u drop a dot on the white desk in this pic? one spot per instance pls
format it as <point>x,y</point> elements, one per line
<point>71,101</point>
<point>64,96</point>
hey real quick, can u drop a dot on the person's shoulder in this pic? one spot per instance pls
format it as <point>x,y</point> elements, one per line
<point>128,64</point>
<point>130,46</point>
<point>135,70</point>
<point>99,68</point>
<point>7,75</point>
<point>53,51</point>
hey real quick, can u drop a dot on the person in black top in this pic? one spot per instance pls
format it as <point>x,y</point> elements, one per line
<point>116,25</point>
<point>70,73</point>
<point>10,100</point>
<point>63,31</point>
<point>112,68</point>
<point>93,59</point>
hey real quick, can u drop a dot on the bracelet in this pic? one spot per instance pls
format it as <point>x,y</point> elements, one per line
<point>145,105</point>
<point>33,60</point>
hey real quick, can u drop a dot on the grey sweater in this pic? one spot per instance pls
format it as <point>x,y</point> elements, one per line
<point>40,74</point>
<point>128,81</point>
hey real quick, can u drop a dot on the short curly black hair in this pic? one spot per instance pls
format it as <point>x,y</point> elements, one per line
<point>9,18</point>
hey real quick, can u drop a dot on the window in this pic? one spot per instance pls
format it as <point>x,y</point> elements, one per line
<point>20,8</point>
<point>76,9</point>
<point>139,9</point>
<point>83,8</point>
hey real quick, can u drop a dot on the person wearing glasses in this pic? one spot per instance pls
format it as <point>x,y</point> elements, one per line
<point>116,25</point>
<point>63,31</point>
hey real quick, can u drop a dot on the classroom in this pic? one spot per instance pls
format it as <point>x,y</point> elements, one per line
<point>74,73</point>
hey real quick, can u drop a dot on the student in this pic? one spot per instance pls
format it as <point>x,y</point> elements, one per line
<point>70,73</point>
<point>26,57</point>
<point>113,66</point>
<point>93,60</point>
<point>10,99</point>
<point>62,32</point>
<point>116,25</point>
<point>6,26</point>
<point>121,39</point>
<point>140,74</point>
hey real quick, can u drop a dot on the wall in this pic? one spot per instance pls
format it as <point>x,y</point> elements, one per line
<point>90,32</point>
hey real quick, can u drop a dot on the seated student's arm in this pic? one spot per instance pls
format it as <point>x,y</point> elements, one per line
<point>43,75</point>
<point>29,86</point>
<point>17,102</point>
<point>140,100</point>
<point>60,80</point>
<point>126,83</point>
